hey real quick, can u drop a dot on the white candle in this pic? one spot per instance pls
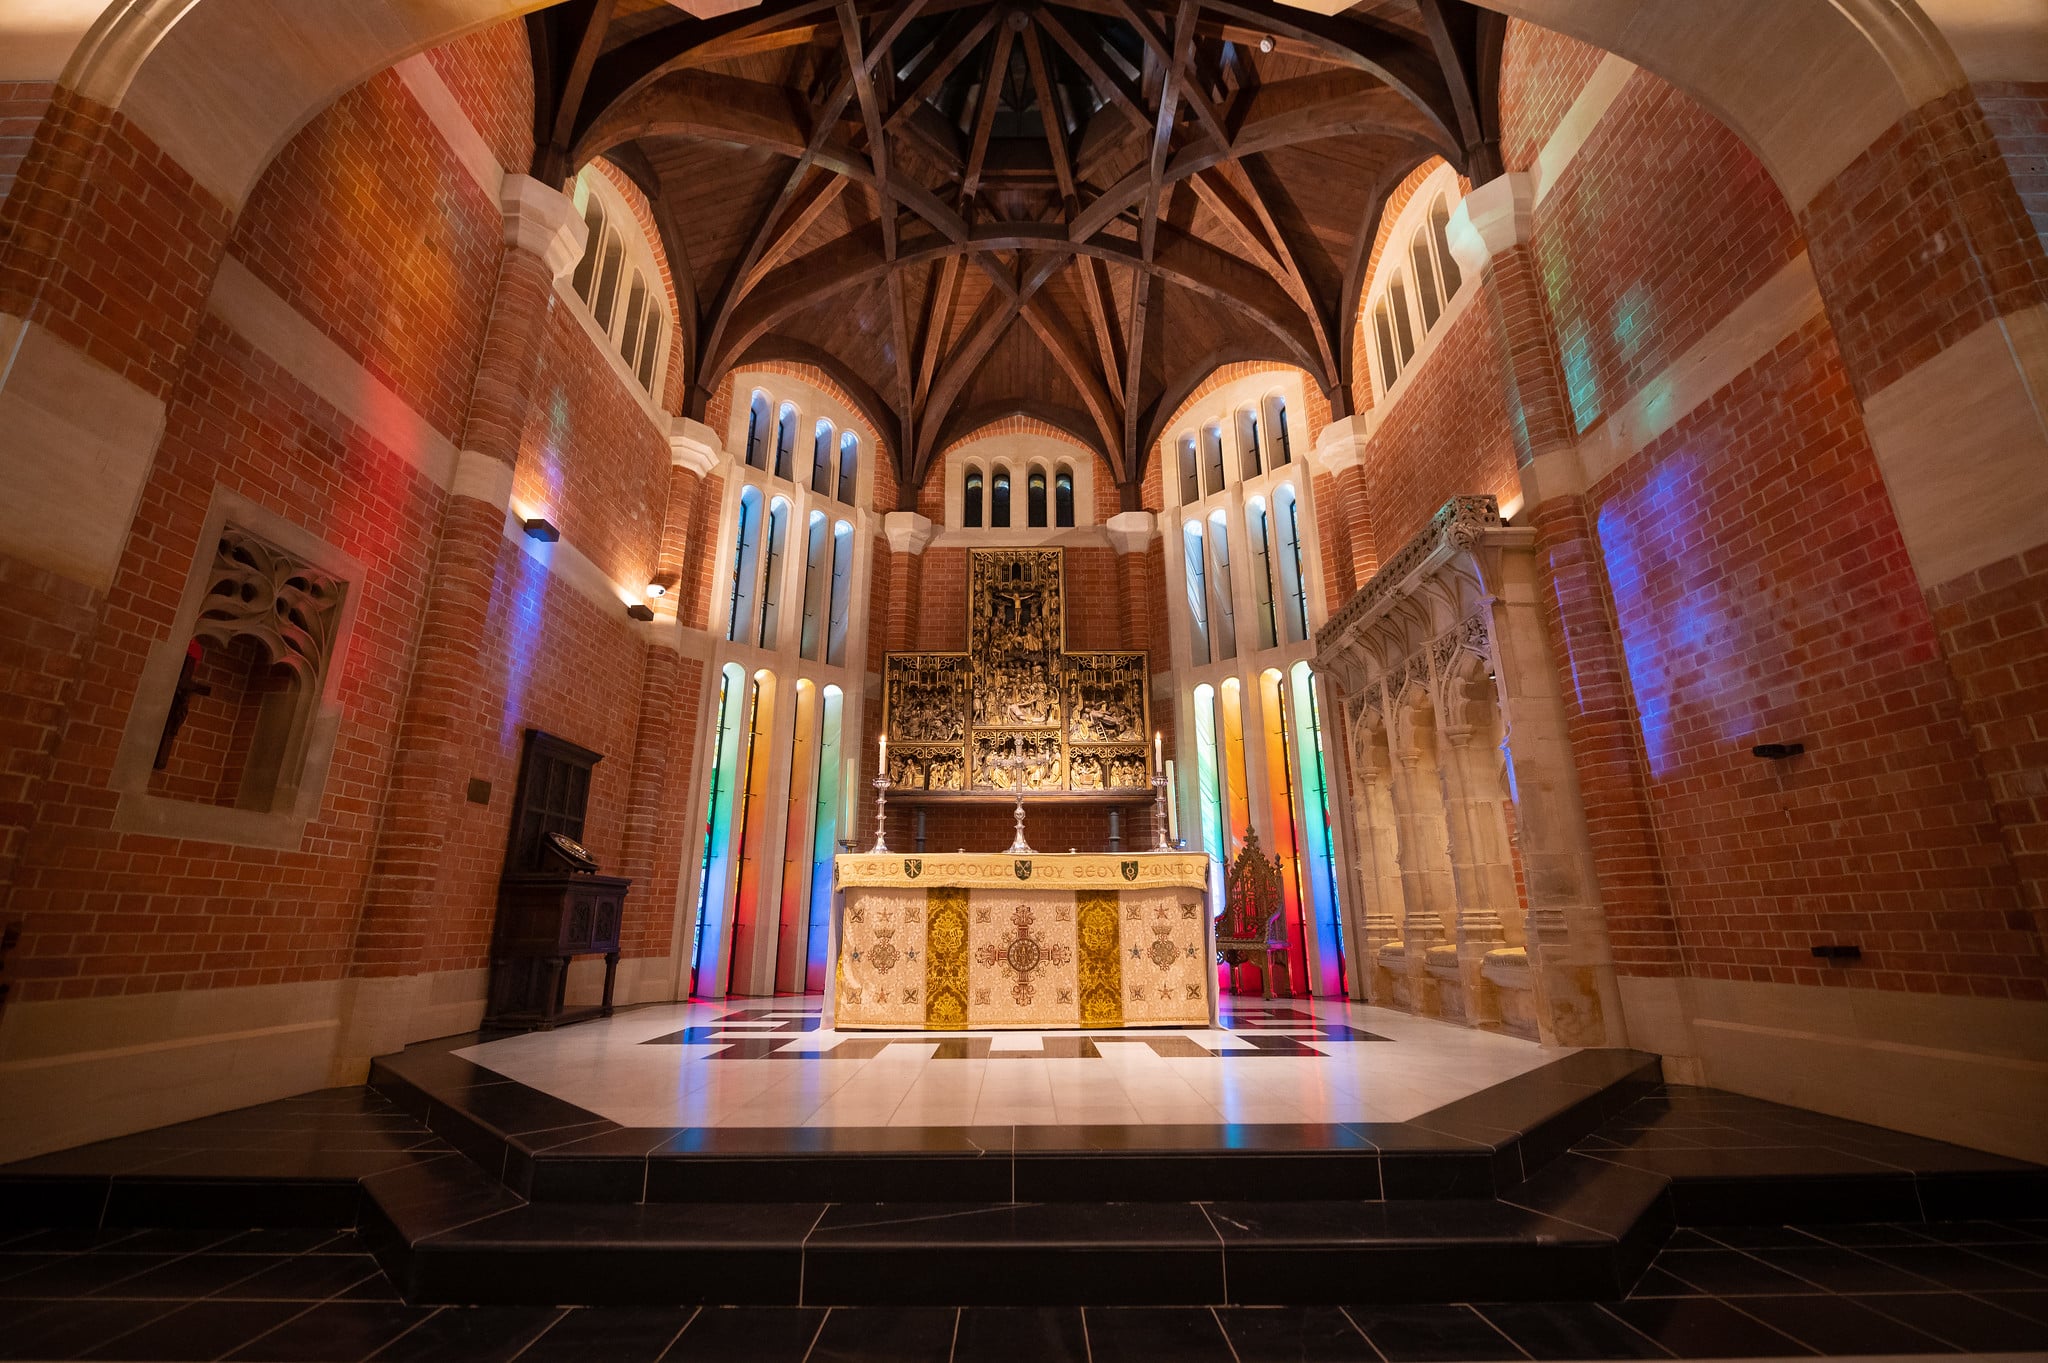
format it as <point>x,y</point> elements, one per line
<point>1158,763</point>
<point>885,754</point>
<point>1172,806</point>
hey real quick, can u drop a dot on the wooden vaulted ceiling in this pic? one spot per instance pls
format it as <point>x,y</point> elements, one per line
<point>1072,210</point>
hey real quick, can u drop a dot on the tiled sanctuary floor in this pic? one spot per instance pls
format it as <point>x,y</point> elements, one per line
<point>1759,1292</point>
<point>769,1062</point>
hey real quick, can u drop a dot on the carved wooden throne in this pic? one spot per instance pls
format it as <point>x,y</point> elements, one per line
<point>1250,928</point>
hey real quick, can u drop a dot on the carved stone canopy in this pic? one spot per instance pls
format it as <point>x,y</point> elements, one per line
<point>263,592</point>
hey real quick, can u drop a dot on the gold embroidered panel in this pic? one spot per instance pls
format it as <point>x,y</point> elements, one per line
<point>1017,710</point>
<point>996,870</point>
<point>974,949</point>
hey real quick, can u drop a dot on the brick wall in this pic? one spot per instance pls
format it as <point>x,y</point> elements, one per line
<point>1763,595</point>
<point>1541,74</point>
<point>490,73</point>
<point>22,106</point>
<point>1662,223</point>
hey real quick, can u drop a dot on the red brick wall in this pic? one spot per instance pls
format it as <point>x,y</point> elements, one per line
<point>1541,74</point>
<point>1763,594</point>
<point>394,257</point>
<point>1448,434</point>
<point>2016,116</point>
<point>490,73</point>
<point>22,106</point>
<point>1994,629</point>
<point>1662,223</point>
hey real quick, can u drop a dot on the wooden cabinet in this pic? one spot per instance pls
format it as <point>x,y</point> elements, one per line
<point>552,904</point>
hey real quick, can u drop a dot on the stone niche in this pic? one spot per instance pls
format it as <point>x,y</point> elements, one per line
<point>1467,848</point>
<point>237,710</point>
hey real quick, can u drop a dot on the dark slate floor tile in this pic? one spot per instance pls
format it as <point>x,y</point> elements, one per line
<point>1752,1237</point>
<point>79,1275</point>
<point>1569,1329</point>
<point>1859,1235</point>
<point>1294,1334</point>
<point>1976,1233</point>
<point>1421,1333</point>
<point>1686,1237</point>
<point>292,1240</point>
<point>473,1334</point>
<point>1020,1334</point>
<point>2032,1305</point>
<point>1844,1270</point>
<point>1728,1272</point>
<point>885,1334</point>
<point>199,1331</point>
<point>1703,1327</point>
<point>1951,1266</point>
<point>308,1277</point>
<point>1836,1325</point>
<point>2029,1255</point>
<point>747,1334</point>
<point>1655,1282</point>
<point>1155,1334</point>
<point>336,1332</point>
<point>195,1275</point>
<point>1961,1321</point>
<point>616,1334</point>
<point>64,1329</point>
<point>70,1240</point>
<point>181,1240</point>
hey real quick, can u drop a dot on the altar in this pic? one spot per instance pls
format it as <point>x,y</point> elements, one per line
<point>986,941</point>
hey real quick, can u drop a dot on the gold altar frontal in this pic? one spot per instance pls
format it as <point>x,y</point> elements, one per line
<point>985,941</point>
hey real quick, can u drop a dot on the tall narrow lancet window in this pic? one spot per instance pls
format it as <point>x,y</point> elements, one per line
<point>1212,460</point>
<point>1063,497</point>
<point>842,590</point>
<point>1421,260</point>
<point>821,475</point>
<point>1383,332</point>
<point>999,500</point>
<point>1293,581</point>
<point>970,499</point>
<point>1034,499</point>
<point>636,311</point>
<point>785,440</point>
<point>608,281</point>
<point>1248,442</point>
<point>1404,331</point>
<point>1279,446</point>
<point>758,432</point>
<point>1259,537</point>
<point>745,563</point>
<point>1222,612</point>
<point>771,573</point>
<point>817,584</point>
<point>1190,473</point>
<point>1196,560</point>
<point>1439,224</point>
<point>650,343</point>
<point>714,872</point>
<point>585,277</point>
<point>849,467</point>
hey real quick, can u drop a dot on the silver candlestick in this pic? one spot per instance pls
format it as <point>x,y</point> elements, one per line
<point>881,784</point>
<point>1159,812</point>
<point>1015,763</point>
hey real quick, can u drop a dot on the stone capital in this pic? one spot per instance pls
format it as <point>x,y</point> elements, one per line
<point>543,221</point>
<point>908,532</point>
<point>1130,531</point>
<point>1552,474</point>
<point>1341,444</point>
<point>694,446</point>
<point>1493,218</point>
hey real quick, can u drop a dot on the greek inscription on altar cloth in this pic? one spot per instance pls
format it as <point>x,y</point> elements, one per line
<point>1017,711</point>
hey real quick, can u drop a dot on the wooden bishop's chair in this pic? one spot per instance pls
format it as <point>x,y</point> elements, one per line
<point>1250,928</point>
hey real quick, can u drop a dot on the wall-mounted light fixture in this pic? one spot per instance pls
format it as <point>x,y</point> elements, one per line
<point>542,529</point>
<point>640,610</point>
<point>1266,43</point>
<point>655,589</point>
<point>1840,953</point>
<point>1777,750</point>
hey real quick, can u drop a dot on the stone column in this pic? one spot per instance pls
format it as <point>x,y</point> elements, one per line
<point>544,237</point>
<point>1590,857</point>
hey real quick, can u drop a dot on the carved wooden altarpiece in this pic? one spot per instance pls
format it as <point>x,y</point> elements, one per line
<point>1017,708</point>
